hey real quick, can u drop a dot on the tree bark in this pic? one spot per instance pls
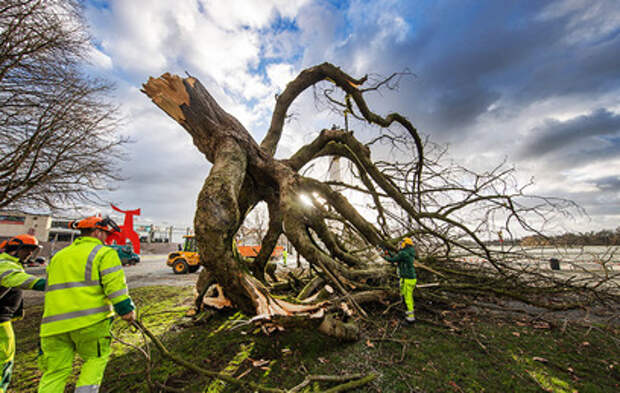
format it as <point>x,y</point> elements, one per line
<point>226,195</point>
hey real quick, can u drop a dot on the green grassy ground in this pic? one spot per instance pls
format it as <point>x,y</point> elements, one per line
<point>483,356</point>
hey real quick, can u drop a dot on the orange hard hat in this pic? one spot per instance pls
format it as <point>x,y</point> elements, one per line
<point>19,241</point>
<point>105,224</point>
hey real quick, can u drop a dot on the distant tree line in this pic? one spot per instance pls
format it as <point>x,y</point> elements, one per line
<point>605,237</point>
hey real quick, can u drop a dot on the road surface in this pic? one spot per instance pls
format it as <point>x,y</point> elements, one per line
<point>152,270</point>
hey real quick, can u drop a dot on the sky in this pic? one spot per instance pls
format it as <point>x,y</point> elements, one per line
<point>535,83</point>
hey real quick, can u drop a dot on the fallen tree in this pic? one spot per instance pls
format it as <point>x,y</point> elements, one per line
<point>446,208</point>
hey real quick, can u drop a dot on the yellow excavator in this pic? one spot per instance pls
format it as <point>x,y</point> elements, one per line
<point>187,259</point>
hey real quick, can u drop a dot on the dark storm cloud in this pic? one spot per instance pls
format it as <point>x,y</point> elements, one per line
<point>468,56</point>
<point>576,69</point>
<point>610,183</point>
<point>580,133</point>
<point>458,107</point>
<point>487,71</point>
<point>470,66</point>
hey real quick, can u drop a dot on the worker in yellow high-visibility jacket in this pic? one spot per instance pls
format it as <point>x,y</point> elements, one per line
<point>85,286</point>
<point>13,279</point>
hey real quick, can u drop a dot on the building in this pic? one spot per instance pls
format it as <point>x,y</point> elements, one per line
<point>46,227</point>
<point>60,231</point>
<point>42,226</point>
<point>13,223</point>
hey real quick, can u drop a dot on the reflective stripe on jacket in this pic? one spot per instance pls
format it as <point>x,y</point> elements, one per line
<point>12,274</point>
<point>84,280</point>
<point>13,279</point>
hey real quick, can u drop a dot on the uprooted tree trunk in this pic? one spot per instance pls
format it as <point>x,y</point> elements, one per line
<point>410,195</point>
<point>244,174</point>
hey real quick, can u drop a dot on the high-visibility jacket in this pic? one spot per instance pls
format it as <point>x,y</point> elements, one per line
<point>13,279</point>
<point>84,281</point>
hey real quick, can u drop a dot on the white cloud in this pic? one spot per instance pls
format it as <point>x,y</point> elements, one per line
<point>589,20</point>
<point>280,44</point>
<point>99,59</point>
<point>392,27</point>
<point>595,170</point>
<point>318,26</point>
<point>221,44</point>
<point>281,74</point>
<point>232,14</point>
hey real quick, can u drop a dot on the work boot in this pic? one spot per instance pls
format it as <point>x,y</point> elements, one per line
<point>409,317</point>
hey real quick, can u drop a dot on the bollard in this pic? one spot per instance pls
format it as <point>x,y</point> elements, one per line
<point>555,263</point>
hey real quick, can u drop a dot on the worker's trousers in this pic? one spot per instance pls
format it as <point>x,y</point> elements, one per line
<point>7,354</point>
<point>407,285</point>
<point>92,343</point>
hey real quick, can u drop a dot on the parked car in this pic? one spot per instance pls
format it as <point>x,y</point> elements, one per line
<point>126,254</point>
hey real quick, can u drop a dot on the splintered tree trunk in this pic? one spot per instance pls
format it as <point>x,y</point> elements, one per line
<point>242,175</point>
<point>245,173</point>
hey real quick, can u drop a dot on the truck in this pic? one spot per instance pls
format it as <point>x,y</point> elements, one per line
<point>187,258</point>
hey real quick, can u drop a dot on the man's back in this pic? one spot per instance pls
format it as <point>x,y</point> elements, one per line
<point>75,296</point>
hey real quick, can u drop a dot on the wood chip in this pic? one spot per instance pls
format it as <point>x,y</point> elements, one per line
<point>347,310</point>
<point>260,362</point>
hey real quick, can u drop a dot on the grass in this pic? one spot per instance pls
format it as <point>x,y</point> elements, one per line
<point>492,355</point>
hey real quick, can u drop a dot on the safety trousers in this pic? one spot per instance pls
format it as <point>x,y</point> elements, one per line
<point>92,343</point>
<point>7,354</point>
<point>407,285</point>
